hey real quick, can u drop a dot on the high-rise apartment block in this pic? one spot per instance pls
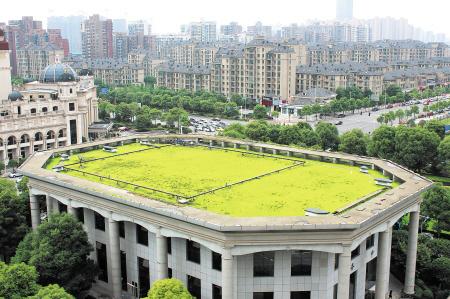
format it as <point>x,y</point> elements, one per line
<point>203,31</point>
<point>70,29</point>
<point>32,59</point>
<point>97,38</point>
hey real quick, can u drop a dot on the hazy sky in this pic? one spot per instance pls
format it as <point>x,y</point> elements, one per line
<point>167,15</point>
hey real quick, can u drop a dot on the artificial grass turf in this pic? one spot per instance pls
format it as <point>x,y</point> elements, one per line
<point>190,170</point>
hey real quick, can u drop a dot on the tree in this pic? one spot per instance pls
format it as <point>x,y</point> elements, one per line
<point>169,289</point>
<point>275,114</point>
<point>382,143</point>
<point>393,90</point>
<point>13,221</point>
<point>416,147</point>
<point>354,142</point>
<point>444,156</point>
<point>52,291</point>
<point>435,126</point>
<point>257,130</point>
<point>235,130</point>
<point>150,81</point>
<point>176,115</point>
<point>59,249</point>
<point>400,114</point>
<point>260,112</point>
<point>143,121</point>
<point>17,281</point>
<point>328,135</point>
<point>415,110</point>
<point>436,205</point>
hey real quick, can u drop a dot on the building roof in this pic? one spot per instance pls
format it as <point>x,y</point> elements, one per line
<point>58,72</point>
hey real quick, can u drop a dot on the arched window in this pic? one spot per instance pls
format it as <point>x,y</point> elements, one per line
<point>50,135</point>
<point>24,138</point>
<point>62,133</point>
<point>11,140</point>
<point>38,136</point>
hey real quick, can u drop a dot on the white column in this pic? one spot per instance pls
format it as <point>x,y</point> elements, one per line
<point>70,209</point>
<point>227,274</point>
<point>410,273</point>
<point>382,281</point>
<point>35,213</point>
<point>49,202</point>
<point>345,262</point>
<point>161,256</point>
<point>114,258</point>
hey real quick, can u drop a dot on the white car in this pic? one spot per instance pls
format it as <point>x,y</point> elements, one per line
<point>13,175</point>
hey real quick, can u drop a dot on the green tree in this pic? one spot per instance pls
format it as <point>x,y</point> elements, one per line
<point>176,115</point>
<point>400,114</point>
<point>257,130</point>
<point>235,130</point>
<point>59,249</point>
<point>444,156</point>
<point>260,112</point>
<point>52,291</point>
<point>393,90</point>
<point>382,143</point>
<point>436,205</point>
<point>328,135</point>
<point>169,289</point>
<point>354,142</point>
<point>13,221</point>
<point>435,126</point>
<point>17,281</point>
<point>150,81</point>
<point>416,148</point>
<point>415,110</point>
<point>275,114</point>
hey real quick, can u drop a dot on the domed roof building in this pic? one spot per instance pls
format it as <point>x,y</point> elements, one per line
<point>15,95</point>
<point>58,72</point>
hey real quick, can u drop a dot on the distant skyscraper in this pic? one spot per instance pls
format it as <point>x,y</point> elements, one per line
<point>119,25</point>
<point>203,31</point>
<point>97,38</point>
<point>344,10</point>
<point>70,29</point>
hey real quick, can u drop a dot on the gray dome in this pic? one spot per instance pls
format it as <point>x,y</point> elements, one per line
<point>57,72</point>
<point>15,95</point>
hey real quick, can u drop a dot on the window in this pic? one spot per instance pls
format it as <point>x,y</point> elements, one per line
<point>370,242</point>
<point>216,261</point>
<point>70,90</point>
<point>335,291</point>
<point>263,295</point>
<point>141,235</point>
<point>194,286</point>
<point>71,106</point>
<point>169,245</point>
<point>33,111</point>
<point>102,261</point>
<point>263,264</point>
<point>169,272</point>
<point>336,261</point>
<point>301,295</point>
<point>62,208</point>
<point>99,221</point>
<point>122,229</point>
<point>301,263</point>
<point>55,108</point>
<point>44,109</point>
<point>80,214</point>
<point>355,252</point>
<point>193,251</point>
<point>216,292</point>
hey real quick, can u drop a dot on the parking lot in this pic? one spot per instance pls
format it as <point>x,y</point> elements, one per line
<point>207,126</point>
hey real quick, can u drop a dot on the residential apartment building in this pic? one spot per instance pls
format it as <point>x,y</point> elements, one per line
<point>202,31</point>
<point>97,38</point>
<point>112,72</point>
<point>32,59</point>
<point>143,58</point>
<point>177,77</point>
<point>70,29</point>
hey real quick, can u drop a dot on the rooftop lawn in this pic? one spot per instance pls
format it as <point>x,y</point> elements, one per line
<point>188,171</point>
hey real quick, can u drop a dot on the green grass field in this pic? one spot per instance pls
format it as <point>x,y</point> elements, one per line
<point>190,170</point>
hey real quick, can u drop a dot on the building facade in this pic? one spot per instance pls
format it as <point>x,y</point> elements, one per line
<point>32,59</point>
<point>138,241</point>
<point>53,112</point>
<point>97,38</point>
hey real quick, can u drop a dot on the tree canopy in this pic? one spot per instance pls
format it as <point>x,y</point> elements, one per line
<point>354,142</point>
<point>17,281</point>
<point>59,250</point>
<point>169,289</point>
<point>328,135</point>
<point>436,204</point>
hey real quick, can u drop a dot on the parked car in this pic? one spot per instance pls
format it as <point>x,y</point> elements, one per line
<point>14,175</point>
<point>390,106</point>
<point>338,123</point>
<point>341,115</point>
<point>375,109</point>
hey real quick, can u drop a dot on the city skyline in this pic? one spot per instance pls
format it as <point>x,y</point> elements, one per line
<point>162,19</point>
